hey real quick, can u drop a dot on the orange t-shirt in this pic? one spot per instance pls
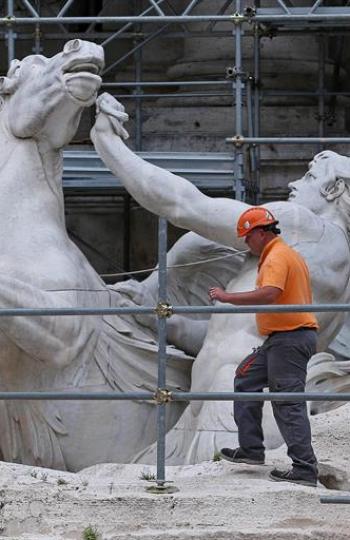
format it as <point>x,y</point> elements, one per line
<point>282,267</point>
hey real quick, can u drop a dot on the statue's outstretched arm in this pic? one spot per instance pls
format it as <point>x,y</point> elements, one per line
<point>158,190</point>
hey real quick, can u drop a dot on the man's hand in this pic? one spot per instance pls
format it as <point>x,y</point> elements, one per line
<point>215,293</point>
<point>261,296</point>
<point>110,111</point>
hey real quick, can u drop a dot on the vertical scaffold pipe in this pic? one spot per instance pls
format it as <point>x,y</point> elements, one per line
<point>138,89</point>
<point>162,297</point>
<point>257,76</point>
<point>10,33</point>
<point>321,89</point>
<point>238,87</point>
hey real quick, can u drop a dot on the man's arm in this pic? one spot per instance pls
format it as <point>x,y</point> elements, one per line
<point>158,190</point>
<point>262,296</point>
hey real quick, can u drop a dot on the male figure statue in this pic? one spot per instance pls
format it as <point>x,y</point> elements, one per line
<point>314,221</point>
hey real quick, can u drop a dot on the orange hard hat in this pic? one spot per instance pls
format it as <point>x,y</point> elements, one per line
<point>256,216</point>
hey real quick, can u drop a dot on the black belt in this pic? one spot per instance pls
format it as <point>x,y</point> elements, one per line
<point>301,329</point>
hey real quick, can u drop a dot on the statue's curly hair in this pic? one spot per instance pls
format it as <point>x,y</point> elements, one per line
<point>337,170</point>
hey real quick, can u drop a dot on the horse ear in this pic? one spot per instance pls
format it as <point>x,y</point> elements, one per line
<point>14,65</point>
<point>7,86</point>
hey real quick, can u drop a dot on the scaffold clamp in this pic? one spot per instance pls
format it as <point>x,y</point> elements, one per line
<point>237,18</point>
<point>250,12</point>
<point>9,19</point>
<point>162,395</point>
<point>232,72</point>
<point>164,310</point>
<point>237,140</point>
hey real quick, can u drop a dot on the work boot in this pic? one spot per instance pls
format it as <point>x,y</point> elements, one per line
<point>237,455</point>
<point>291,476</point>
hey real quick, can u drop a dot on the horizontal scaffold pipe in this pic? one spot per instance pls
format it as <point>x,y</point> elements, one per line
<point>38,312</point>
<point>286,308</point>
<point>176,396</point>
<point>166,83</point>
<point>326,16</point>
<point>335,500</point>
<point>172,96</point>
<point>122,20</point>
<point>239,140</point>
<point>258,396</point>
<point>77,396</point>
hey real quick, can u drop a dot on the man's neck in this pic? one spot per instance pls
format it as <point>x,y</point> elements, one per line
<point>269,236</point>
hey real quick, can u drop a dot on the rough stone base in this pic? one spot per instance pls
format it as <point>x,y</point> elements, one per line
<point>215,501</point>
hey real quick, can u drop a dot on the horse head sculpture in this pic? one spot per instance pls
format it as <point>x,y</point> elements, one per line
<point>44,97</point>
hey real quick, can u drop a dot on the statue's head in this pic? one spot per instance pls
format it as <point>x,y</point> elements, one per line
<point>326,184</point>
<point>44,97</point>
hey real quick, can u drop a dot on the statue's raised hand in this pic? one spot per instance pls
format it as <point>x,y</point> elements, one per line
<point>108,108</point>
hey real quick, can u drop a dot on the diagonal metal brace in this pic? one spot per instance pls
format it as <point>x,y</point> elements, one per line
<point>162,395</point>
<point>164,310</point>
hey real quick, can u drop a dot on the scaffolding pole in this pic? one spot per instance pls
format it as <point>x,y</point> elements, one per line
<point>239,140</point>
<point>238,93</point>
<point>10,33</point>
<point>321,89</point>
<point>162,344</point>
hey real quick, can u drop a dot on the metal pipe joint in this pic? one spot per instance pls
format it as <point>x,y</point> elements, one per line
<point>164,310</point>
<point>162,396</point>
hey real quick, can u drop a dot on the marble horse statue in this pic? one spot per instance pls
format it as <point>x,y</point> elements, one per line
<point>41,100</point>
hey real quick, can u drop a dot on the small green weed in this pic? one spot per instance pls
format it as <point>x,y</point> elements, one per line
<point>61,481</point>
<point>147,475</point>
<point>216,456</point>
<point>91,533</point>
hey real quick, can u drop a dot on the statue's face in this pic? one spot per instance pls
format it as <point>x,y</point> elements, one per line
<point>307,190</point>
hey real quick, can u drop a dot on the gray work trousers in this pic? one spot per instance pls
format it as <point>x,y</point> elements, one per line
<point>280,364</point>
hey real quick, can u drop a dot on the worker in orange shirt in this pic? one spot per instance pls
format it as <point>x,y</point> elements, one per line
<point>280,363</point>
